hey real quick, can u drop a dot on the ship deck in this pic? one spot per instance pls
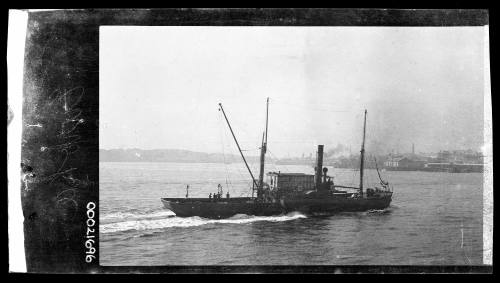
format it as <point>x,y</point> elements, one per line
<point>192,200</point>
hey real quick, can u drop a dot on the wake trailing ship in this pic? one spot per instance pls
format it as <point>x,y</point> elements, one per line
<point>287,192</point>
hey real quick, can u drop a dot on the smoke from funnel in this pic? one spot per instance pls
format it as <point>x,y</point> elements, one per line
<point>337,150</point>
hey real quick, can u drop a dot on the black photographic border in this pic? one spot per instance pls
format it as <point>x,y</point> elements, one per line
<point>61,84</point>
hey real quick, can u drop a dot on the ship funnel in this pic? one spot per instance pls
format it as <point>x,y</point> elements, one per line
<point>319,166</point>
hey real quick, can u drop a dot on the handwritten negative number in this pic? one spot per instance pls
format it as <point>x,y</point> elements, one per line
<point>89,244</point>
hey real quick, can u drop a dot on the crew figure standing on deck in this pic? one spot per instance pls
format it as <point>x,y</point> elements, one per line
<point>227,194</point>
<point>219,191</point>
<point>187,191</point>
<point>210,197</point>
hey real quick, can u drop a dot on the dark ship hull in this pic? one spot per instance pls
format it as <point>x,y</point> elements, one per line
<point>225,208</point>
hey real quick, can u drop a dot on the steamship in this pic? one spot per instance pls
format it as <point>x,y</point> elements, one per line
<point>288,192</point>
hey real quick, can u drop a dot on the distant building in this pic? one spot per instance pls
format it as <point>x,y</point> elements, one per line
<point>403,163</point>
<point>460,157</point>
<point>454,161</point>
<point>466,168</point>
<point>392,161</point>
<point>444,155</point>
<point>437,167</point>
<point>454,168</point>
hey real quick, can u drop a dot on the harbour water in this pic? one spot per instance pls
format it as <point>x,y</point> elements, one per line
<point>435,218</point>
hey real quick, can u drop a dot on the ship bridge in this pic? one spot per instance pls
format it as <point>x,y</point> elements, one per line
<point>297,181</point>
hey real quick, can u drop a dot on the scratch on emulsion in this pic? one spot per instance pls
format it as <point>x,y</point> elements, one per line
<point>68,145</point>
<point>36,125</point>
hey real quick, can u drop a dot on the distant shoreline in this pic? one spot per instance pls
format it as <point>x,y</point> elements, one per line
<point>256,163</point>
<point>411,162</point>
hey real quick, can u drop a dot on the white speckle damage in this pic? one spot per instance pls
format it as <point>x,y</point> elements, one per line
<point>36,125</point>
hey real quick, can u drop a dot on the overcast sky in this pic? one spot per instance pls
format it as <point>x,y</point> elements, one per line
<point>160,87</point>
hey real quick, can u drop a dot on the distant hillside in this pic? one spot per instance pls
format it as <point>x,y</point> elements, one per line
<point>168,155</point>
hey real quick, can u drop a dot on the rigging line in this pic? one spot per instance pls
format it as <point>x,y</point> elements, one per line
<point>354,176</point>
<point>366,175</point>
<point>250,149</point>
<point>273,165</point>
<point>274,157</point>
<point>229,182</point>
<point>235,165</point>
<point>245,192</point>
<point>223,151</point>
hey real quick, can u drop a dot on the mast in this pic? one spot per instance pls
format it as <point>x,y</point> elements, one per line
<point>263,150</point>
<point>361,163</point>
<point>242,156</point>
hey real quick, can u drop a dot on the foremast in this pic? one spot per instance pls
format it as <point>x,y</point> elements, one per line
<point>260,184</point>
<point>362,158</point>
<point>263,150</point>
